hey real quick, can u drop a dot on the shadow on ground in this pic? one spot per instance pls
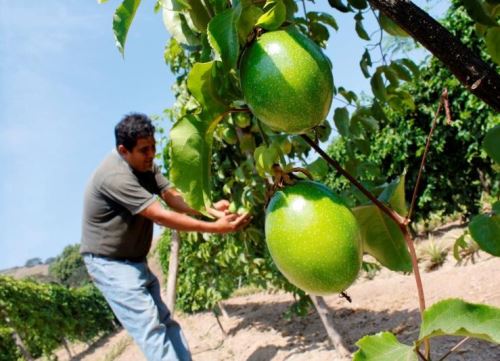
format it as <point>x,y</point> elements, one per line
<point>307,334</point>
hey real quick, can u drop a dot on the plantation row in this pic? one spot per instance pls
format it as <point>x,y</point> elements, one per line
<point>45,315</point>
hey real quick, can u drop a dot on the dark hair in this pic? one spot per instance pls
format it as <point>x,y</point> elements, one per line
<point>132,127</point>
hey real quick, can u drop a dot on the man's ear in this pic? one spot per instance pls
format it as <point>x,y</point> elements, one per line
<point>122,150</point>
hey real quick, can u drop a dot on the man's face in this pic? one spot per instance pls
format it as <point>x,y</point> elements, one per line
<point>141,157</point>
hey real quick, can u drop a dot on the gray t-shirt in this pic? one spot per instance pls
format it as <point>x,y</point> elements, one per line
<point>114,196</point>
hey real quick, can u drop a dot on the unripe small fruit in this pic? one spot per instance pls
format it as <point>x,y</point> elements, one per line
<point>229,135</point>
<point>242,120</point>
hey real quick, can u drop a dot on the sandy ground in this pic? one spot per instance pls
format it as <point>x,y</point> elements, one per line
<point>256,331</point>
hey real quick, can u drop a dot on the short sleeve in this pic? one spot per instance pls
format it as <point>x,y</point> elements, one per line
<point>125,190</point>
<point>161,181</point>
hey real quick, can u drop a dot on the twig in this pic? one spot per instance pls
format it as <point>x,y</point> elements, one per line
<point>420,355</point>
<point>390,212</point>
<point>442,100</point>
<point>454,348</point>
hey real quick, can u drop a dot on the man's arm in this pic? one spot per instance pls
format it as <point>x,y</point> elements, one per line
<point>175,201</point>
<point>182,222</point>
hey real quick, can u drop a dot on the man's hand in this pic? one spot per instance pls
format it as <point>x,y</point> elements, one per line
<point>219,209</point>
<point>231,222</point>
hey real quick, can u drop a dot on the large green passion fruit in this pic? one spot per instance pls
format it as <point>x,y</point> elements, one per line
<point>287,81</point>
<point>313,238</point>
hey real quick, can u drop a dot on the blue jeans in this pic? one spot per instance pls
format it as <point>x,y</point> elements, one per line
<point>133,293</point>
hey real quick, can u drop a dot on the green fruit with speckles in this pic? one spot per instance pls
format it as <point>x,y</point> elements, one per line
<point>313,238</point>
<point>287,81</point>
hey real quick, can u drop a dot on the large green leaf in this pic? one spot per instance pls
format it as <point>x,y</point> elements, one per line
<point>122,19</point>
<point>382,237</point>
<point>383,346</point>
<point>274,15</point>
<point>191,152</point>
<point>202,85</point>
<point>223,36</point>
<point>191,138</point>
<point>485,230</point>
<point>491,143</point>
<point>460,318</point>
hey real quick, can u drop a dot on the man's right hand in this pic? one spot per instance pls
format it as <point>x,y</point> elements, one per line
<point>231,222</point>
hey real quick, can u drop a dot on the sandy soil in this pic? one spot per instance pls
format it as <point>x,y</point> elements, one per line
<point>256,331</point>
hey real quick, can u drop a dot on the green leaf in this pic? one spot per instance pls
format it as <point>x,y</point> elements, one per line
<point>176,24</point>
<point>486,232</point>
<point>377,111</point>
<point>459,318</point>
<point>410,65</point>
<point>360,30</point>
<point>198,14</point>
<point>341,119</point>
<point>248,19</point>
<point>382,237</point>
<point>365,62</point>
<point>274,15</point>
<point>339,5</point>
<point>358,4</point>
<point>291,9</point>
<point>391,27</point>
<point>390,75</point>
<point>491,143</point>
<point>477,12</point>
<point>203,87</point>
<point>402,72</point>
<point>175,5</point>
<point>496,208</point>
<point>493,43</point>
<point>324,18</point>
<point>378,87</point>
<point>191,152</point>
<point>383,346</point>
<point>122,20</point>
<point>319,168</point>
<point>223,36</point>
<point>393,193</point>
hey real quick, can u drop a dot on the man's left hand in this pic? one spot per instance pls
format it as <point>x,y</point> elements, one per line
<point>219,209</point>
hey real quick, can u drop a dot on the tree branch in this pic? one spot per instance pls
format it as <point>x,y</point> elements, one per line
<point>471,71</point>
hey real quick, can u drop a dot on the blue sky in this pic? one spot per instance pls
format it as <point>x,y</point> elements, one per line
<point>63,87</point>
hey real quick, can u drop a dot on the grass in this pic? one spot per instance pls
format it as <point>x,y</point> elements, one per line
<point>434,253</point>
<point>118,349</point>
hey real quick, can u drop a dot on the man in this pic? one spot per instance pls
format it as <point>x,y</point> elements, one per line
<point>119,210</point>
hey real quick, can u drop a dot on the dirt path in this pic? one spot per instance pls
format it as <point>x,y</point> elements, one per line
<point>257,332</point>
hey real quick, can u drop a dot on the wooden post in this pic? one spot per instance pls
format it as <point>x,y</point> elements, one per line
<point>333,334</point>
<point>173,267</point>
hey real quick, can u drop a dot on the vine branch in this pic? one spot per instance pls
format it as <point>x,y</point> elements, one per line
<point>443,101</point>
